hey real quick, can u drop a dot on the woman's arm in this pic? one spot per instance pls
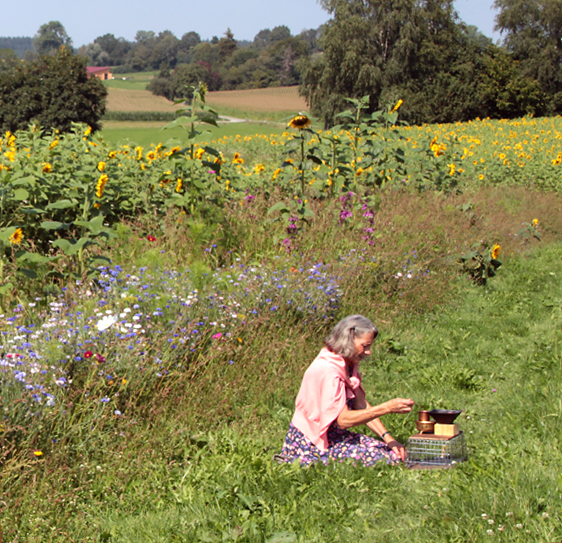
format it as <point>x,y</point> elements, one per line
<point>376,425</point>
<point>356,417</point>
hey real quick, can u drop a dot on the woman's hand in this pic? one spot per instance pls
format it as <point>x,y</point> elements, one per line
<point>398,449</point>
<point>400,405</point>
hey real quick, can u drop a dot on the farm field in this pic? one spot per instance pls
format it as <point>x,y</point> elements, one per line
<point>253,104</point>
<point>146,134</point>
<point>159,310</point>
<point>119,99</point>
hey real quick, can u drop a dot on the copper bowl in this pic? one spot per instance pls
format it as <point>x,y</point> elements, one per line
<point>423,415</point>
<point>444,416</point>
<point>425,426</point>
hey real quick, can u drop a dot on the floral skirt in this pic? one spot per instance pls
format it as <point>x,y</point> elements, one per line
<point>341,444</point>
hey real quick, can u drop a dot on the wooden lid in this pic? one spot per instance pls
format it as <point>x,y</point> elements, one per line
<point>435,437</point>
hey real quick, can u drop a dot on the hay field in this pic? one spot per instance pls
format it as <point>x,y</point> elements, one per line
<point>136,100</point>
<point>270,100</point>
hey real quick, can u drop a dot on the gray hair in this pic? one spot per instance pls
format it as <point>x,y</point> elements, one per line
<point>340,341</point>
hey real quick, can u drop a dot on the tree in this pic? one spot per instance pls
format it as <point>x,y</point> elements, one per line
<point>8,59</point>
<point>227,45</point>
<point>162,84</point>
<point>187,76</point>
<point>417,51</point>
<point>165,50</point>
<point>50,37</point>
<point>185,51</point>
<point>94,54</point>
<point>116,48</point>
<point>532,33</point>
<point>53,92</point>
<point>375,45</point>
<point>189,40</point>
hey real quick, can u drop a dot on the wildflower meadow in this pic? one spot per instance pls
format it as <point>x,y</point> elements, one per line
<point>158,307</point>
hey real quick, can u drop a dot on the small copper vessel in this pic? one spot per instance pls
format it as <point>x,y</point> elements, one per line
<point>423,415</point>
<point>425,426</point>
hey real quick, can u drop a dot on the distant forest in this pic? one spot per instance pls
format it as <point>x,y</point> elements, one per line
<point>18,45</point>
<point>271,59</point>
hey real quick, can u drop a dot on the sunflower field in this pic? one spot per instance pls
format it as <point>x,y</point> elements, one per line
<point>62,193</point>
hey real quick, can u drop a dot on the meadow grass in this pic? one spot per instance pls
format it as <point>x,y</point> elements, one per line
<point>190,459</point>
<point>169,482</point>
<point>151,132</point>
<point>130,81</point>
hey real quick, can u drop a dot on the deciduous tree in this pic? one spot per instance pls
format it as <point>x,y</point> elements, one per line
<point>50,37</point>
<point>532,32</point>
<point>53,92</point>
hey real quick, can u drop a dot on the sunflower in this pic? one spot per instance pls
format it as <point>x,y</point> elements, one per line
<point>496,251</point>
<point>397,106</point>
<point>17,237</point>
<point>300,122</point>
<point>100,185</point>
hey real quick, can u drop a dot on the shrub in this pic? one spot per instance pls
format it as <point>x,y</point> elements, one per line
<point>53,92</point>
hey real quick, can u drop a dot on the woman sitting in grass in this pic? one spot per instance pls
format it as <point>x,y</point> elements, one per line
<point>331,400</point>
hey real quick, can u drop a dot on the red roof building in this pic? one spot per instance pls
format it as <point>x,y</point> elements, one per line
<point>101,72</point>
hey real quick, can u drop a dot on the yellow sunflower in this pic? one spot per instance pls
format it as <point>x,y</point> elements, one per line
<point>100,185</point>
<point>17,237</point>
<point>300,122</point>
<point>496,251</point>
<point>397,106</point>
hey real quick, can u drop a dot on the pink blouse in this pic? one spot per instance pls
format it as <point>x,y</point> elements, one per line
<point>324,392</point>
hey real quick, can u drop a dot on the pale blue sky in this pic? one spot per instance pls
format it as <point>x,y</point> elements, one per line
<point>84,21</point>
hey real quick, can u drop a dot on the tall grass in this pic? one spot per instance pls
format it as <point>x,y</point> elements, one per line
<point>189,457</point>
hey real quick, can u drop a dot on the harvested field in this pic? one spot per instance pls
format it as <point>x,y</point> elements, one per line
<point>136,100</point>
<point>270,99</point>
<point>274,99</point>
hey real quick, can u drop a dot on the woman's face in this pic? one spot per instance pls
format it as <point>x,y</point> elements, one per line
<point>362,346</point>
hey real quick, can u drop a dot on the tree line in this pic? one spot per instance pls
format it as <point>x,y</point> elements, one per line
<point>417,51</point>
<point>420,52</point>
<point>271,59</point>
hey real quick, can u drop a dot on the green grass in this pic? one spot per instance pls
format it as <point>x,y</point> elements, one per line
<point>256,115</point>
<point>134,81</point>
<point>493,352</point>
<point>145,133</point>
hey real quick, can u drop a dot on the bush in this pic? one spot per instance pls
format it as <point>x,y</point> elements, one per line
<point>53,92</point>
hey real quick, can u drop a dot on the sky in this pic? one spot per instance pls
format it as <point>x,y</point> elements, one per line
<point>85,21</point>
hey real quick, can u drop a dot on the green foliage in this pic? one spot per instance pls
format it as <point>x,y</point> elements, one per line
<point>8,59</point>
<point>53,92</point>
<point>50,38</point>
<point>19,45</point>
<point>418,52</point>
<point>139,116</point>
<point>480,263</point>
<point>532,33</point>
